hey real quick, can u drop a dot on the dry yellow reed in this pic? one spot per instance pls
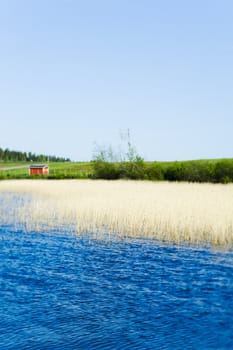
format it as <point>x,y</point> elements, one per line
<point>179,212</point>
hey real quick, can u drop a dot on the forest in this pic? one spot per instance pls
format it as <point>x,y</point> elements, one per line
<point>7,155</point>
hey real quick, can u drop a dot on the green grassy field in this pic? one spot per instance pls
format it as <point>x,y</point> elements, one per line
<point>11,164</point>
<point>70,170</point>
<point>204,170</point>
<point>57,170</point>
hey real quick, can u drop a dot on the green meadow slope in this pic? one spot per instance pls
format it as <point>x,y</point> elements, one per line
<point>206,170</point>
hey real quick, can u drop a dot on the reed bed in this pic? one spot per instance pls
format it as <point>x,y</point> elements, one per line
<point>177,212</point>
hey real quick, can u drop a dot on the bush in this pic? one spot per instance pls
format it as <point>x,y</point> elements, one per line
<point>154,171</point>
<point>132,170</point>
<point>105,170</point>
<point>175,172</point>
<point>199,171</point>
<point>224,171</point>
<point>192,171</point>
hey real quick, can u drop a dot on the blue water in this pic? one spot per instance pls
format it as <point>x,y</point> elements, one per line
<point>62,292</point>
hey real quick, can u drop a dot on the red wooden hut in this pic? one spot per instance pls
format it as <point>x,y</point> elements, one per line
<point>39,169</point>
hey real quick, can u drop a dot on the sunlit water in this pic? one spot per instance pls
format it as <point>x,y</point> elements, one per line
<point>58,291</point>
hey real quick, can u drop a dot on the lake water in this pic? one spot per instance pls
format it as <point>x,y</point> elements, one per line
<point>58,291</point>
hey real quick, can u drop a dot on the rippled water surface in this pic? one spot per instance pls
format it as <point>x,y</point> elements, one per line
<point>62,292</point>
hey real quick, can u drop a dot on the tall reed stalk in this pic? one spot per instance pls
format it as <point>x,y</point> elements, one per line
<point>177,212</point>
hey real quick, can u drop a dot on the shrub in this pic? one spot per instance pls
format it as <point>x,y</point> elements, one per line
<point>199,171</point>
<point>175,172</point>
<point>134,170</point>
<point>224,171</point>
<point>105,170</point>
<point>154,171</point>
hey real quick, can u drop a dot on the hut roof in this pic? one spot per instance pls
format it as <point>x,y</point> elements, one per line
<point>36,166</point>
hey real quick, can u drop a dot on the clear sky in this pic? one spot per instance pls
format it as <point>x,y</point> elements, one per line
<point>76,72</point>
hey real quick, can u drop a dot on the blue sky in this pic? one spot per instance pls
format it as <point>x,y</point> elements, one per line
<point>75,73</point>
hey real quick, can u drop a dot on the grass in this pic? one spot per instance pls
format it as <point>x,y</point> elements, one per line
<point>175,212</point>
<point>212,170</point>
<point>11,164</point>
<point>70,169</point>
<point>57,170</point>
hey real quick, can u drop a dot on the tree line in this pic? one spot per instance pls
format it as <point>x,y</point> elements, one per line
<point>130,165</point>
<point>215,171</point>
<point>7,155</point>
